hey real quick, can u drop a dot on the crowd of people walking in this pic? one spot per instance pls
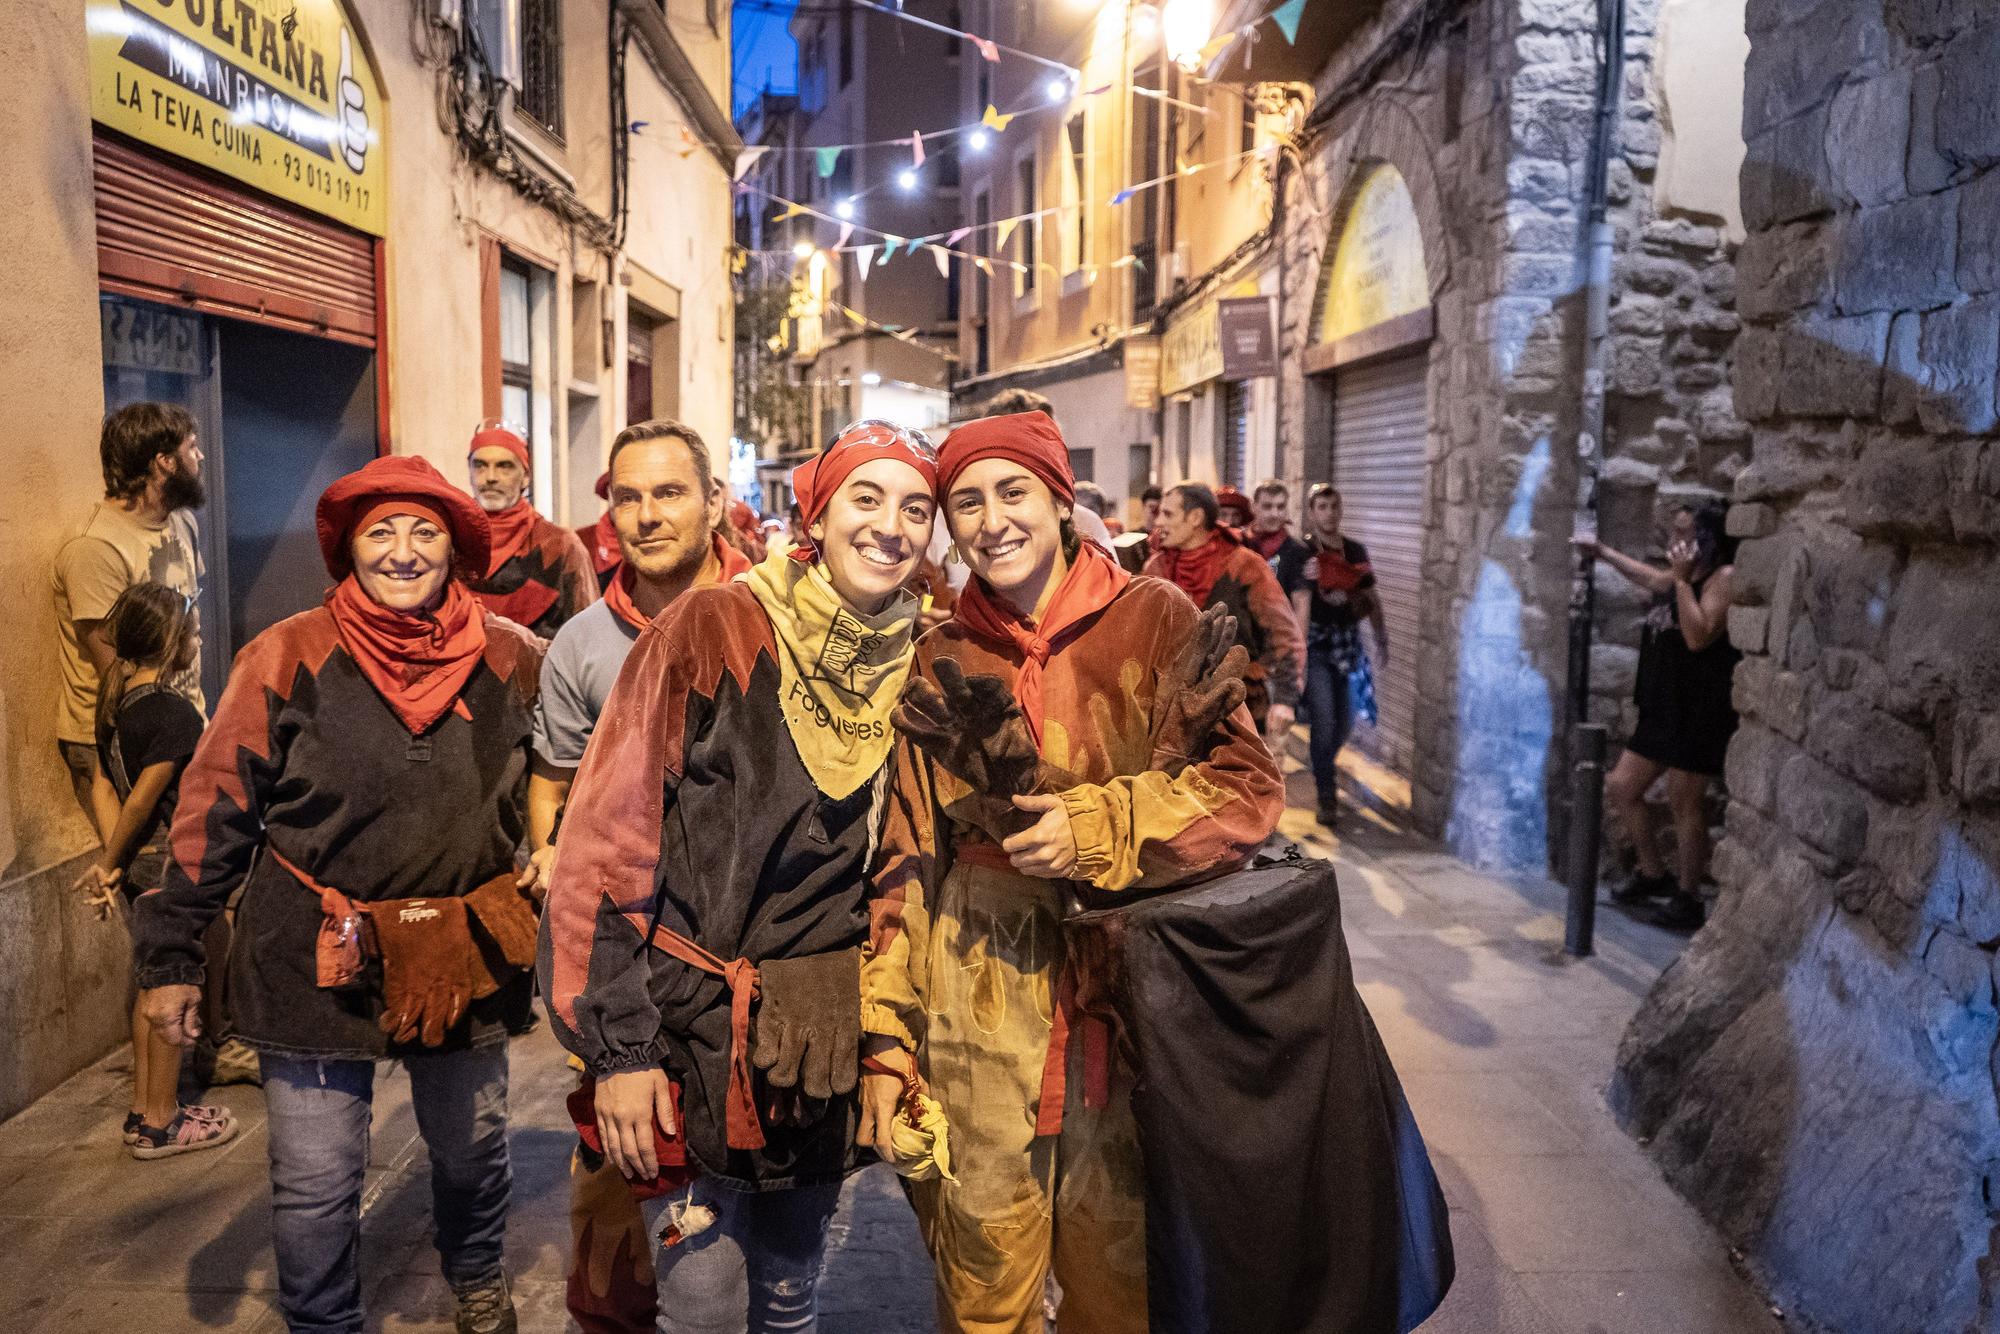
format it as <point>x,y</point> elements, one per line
<point>789,829</point>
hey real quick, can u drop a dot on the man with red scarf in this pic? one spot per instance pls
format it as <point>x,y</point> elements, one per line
<point>1210,563</point>
<point>600,539</point>
<point>538,575</point>
<point>665,511</point>
<point>1270,531</point>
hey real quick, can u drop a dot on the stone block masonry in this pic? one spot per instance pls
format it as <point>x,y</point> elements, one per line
<point>1817,1072</point>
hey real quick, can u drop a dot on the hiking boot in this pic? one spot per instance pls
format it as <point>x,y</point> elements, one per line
<point>1641,887</point>
<point>236,1063</point>
<point>486,1308</point>
<point>186,1133</point>
<point>1682,912</point>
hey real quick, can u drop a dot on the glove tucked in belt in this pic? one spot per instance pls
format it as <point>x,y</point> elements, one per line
<point>807,1033</point>
<point>427,966</point>
<point>503,932</point>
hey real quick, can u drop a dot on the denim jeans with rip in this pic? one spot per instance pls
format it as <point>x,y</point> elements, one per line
<point>755,1270</point>
<point>319,1119</point>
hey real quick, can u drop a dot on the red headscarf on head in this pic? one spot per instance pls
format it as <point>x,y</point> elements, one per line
<point>499,437</point>
<point>418,662</point>
<point>1028,438</point>
<point>816,481</point>
<point>1088,586</point>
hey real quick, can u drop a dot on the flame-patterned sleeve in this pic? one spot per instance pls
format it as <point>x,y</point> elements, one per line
<point>595,965</point>
<point>219,821</point>
<point>898,902</point>
<point>1155,829</point>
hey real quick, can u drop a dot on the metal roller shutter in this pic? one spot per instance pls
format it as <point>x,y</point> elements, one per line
<point>1379,423</point>
<point>169,234</point>
<point>1234,465</point>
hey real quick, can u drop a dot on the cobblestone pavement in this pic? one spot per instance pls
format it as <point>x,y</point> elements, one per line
<point>1561,1224</point>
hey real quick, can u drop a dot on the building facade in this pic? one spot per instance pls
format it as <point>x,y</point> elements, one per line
<point>337,231</point>
<point>1432,269</point>
<point>1817,1072</point>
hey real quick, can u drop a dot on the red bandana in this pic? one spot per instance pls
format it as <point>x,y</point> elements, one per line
<point>1195,572</point>
<point>1093,580</point>
<point>418,663</point>
<point>1336,574</point>
<point>601,538</point>
<point>1267,544</point>
<point>512,527</point>
<point>815,481</point>
<point>725,560</point>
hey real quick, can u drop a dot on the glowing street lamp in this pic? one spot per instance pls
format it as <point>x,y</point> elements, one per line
<point>1186,25</point>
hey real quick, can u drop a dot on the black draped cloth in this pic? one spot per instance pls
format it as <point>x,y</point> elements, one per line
<point>1287,1188</point>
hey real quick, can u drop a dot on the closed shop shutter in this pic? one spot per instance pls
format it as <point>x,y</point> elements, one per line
<point>1235,461</point>
<point>170,234</point>
<point>1379,423</point>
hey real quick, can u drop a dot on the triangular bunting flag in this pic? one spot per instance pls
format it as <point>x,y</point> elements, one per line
<point>916,244</point>
<point>986,49</point>
<point>1218,44</point>
<point>688,142</point>
<point>993,120</point>
<point>1100,88</point>
<point>957,236</point>
<point>917,149</point>
<point>889,248</point>
<point>746,159</point>
<point>1286,16</point>
<point>1006,230</point>
<point>825,158</point>
<point>846,230</point>
<point>1184,167</point>
<point>985,264</point>
<point>943,258</point>
<point>864,259</point>
<point>790,210</point>
<point>1122,196</point>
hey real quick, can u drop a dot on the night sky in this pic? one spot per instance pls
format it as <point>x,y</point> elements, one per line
<point>765,52</point>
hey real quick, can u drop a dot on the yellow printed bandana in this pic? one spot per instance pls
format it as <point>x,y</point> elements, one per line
<point>839,673</point>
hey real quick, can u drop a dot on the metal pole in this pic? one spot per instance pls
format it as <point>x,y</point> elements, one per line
<point>1586,821</point>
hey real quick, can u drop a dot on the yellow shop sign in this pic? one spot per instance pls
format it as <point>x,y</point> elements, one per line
<point>278,94</point>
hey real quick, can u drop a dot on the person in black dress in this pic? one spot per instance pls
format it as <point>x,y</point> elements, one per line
<point>1685,714</point>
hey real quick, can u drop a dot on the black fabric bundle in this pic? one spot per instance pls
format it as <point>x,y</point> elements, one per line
<point>1287,1188</point>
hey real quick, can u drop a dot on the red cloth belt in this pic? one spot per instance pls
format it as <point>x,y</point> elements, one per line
<point>743,1128</point>
<point>1067,1016</point>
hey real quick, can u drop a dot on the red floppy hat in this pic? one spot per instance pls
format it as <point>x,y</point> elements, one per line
<point>369,488</point>
<point>1027,438</point>
<point>1229,497</point>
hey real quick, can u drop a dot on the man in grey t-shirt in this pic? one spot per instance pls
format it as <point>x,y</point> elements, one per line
<point>665,505</point>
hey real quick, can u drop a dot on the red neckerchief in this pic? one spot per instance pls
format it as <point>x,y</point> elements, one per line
<point>1195,572</point>
<point>511,527</point>
<point>1336,574</point>
<point>728,563</point>
<point>1267,544</point>
<point>602,539</point>
<point>1093,580</point>
<point>418,664</point>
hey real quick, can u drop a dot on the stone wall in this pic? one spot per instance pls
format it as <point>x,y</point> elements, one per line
<point>1489,120</point>
<point>1817,1071</point>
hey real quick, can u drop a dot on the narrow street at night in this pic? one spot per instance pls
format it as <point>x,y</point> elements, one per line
<point>1561,1225</point>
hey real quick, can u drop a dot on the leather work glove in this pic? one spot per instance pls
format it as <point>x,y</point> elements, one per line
<point>807,1030</point>
<point>1201,686</point>
<point>427,959</point>
<point>503,929</point>
<point>973,729</point>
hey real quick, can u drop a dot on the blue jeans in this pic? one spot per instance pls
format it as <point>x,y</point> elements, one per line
<point>1330,705</point>
<point>319,1113</point>
<point>756,1271</point>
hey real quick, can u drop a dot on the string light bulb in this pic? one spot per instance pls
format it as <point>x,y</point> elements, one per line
<point>844,210</point>
<point>803,249</point>
<point>1187,25</point>
<point>976,141</point>
<point>907,178</point>
<point>1058,90</point>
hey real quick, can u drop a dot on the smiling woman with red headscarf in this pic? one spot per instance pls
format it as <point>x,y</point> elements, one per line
<point>362,781</point>
<point>723,815</point>
<point>1063,683</point>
